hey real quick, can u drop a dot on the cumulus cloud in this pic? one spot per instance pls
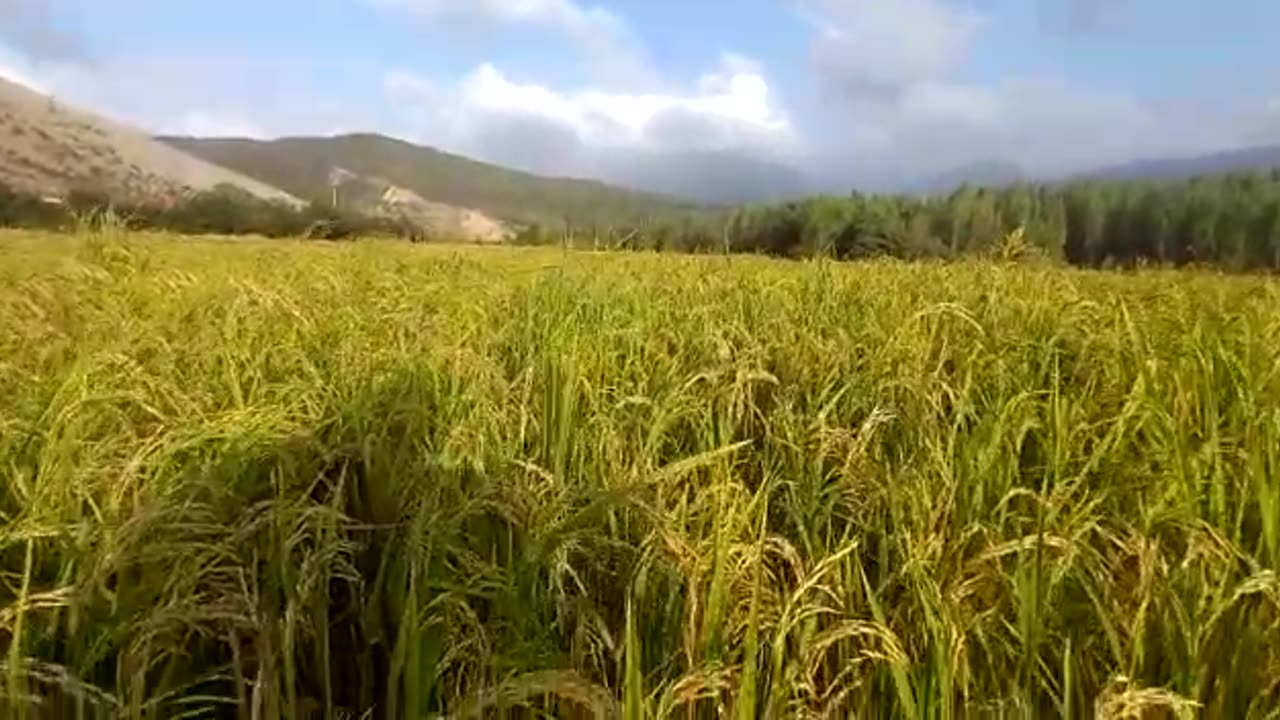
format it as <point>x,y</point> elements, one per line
<point>625,124</point>
<point>894,107</point>
<point>731,106</point>
<point>888,106</point>
<point>728,116</point>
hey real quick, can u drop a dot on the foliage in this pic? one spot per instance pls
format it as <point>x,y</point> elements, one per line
<point>225,210</point>
<point>1232,221</point>
<point>283,480</point>
<point>19,209</point>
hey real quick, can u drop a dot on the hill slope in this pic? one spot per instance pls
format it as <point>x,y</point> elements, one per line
<point>1256,158</point>
<point>50,149</point>
<point>303,165</point>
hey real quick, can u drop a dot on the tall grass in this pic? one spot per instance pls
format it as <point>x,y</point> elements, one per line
<point>274,480</point>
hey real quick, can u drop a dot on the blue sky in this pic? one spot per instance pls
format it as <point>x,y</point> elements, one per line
<point>846,91</point>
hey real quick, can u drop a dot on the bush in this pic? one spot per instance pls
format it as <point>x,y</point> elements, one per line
<point>224,210</point>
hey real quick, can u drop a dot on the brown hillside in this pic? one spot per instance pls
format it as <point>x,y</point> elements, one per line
<point>49,148</point>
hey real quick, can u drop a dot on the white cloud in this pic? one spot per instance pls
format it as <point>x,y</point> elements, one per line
<point>207,123</point>
<point>894,104</point>
<point>881,45</point>
<point>407,86</point>
<point>972,105</point>
<point>732,106</point>
<point>721,122</point>
<point>894,100</point>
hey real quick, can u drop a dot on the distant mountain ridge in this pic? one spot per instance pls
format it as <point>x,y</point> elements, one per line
<point>991,174</point>
<point>712,177</point>
<point>668,183</point>
<point>999,174</point>
<point>302,165</point>
<point>1265,157</point>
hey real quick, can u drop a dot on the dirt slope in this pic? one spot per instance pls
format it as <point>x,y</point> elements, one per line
<point>49,148</point>
<point>441,218</point>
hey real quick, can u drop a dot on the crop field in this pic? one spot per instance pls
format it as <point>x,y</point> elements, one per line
<point>269,479</point>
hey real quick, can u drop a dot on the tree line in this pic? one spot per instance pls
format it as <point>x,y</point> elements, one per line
<point>224,210</point>
<point>1229,220</point>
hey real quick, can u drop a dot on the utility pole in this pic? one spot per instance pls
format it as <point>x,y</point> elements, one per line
<point>337,176</point>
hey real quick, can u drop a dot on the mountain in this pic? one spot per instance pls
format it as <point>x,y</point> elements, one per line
<point>303,165</point>
<point>50,149</point>
<point>1257,158</point>
<point>710,177</point>
<point>990,174</point>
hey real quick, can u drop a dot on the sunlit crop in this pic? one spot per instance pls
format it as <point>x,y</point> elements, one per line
<point>286,480</point>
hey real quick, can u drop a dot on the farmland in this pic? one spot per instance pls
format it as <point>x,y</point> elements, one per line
<point>272,479</point>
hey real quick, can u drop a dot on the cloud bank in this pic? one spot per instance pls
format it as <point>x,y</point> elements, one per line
<point>886,93</point>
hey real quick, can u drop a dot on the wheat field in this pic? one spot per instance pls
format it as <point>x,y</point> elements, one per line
<point>256,479</point>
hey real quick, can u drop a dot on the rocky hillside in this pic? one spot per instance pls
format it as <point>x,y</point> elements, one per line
<point>377,196</point>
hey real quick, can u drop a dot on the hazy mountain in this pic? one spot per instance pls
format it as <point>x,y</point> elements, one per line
<point>992,174</point>
<point>1257,158</point>
<point>1001,174</point>
<point>711,177</point>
